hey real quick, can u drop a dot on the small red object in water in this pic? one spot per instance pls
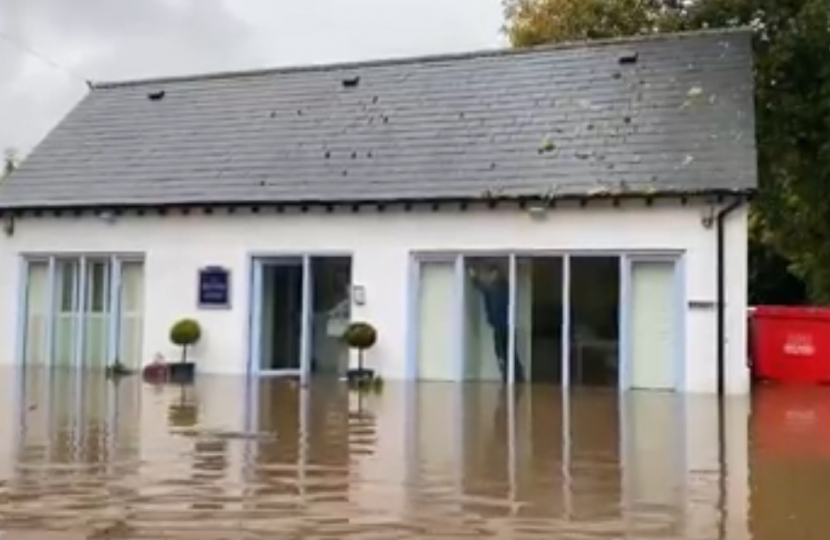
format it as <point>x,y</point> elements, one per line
<point>157,372</point>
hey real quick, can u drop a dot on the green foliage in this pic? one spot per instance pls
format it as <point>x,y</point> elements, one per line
<point>535,22</point>
<point>360,335</point>
<point>773,282</point>
<point>185,333</point>
<point>792,96</point>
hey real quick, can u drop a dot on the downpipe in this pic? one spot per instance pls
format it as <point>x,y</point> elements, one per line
<point>721,291</point>
<point>721,357</point>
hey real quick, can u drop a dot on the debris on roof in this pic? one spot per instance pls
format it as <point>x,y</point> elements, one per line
<point>547,145</point>
<point>628,57</point>
<point>694,91</point>
<point>351,82</point>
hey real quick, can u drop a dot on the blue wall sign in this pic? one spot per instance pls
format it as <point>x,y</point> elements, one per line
<point>214,287</point>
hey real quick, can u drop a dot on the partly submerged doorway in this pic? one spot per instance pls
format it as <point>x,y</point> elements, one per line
<point>300,308</point>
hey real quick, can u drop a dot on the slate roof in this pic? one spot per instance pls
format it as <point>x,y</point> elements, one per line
<point>670,113</point>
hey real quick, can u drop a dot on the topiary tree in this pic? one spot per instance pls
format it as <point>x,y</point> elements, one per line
<point>360,336</point>
<point>185,333</point>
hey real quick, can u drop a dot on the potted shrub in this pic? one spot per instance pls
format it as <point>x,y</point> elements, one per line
<point>361,336</point>
<point>185,333</point>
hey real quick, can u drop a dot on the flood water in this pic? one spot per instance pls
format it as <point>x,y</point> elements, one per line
<point>82,457</point>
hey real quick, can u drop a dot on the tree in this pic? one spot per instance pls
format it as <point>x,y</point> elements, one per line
<point>535,22</point>
<point>792,85</point>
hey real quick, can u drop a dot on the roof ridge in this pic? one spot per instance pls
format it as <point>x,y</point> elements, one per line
<point>422,59</point>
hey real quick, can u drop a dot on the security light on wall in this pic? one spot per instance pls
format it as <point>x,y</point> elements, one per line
<point>107,217</point>
<point>537,210</point>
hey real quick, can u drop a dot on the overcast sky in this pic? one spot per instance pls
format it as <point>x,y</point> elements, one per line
<point>124,39</point>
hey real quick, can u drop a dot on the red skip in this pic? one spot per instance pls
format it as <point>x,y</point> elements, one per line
<point>791,344</point>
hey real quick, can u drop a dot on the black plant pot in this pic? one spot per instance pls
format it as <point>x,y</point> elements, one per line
<point>182,372</point>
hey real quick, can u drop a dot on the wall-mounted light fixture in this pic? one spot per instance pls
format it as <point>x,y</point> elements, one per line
<point>537,210</point>
<point>358,295</point>
<point>707,218</point>
<point>107,217</point>
<point>8,224</point>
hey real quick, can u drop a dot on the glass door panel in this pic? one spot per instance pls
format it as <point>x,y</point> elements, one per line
<point>487,320</point>
<point>131,320</point>
<point>67,292</point>
<point>330,314</point>
<point>654,325</point>
<point>539,316</point>
<point>36,339</point>
<point>280,298</point>
<point>436,321</point>
<point>97,313</point>
<point>594,321</point>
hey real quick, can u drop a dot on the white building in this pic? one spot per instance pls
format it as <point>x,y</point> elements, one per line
<point>605,183</point>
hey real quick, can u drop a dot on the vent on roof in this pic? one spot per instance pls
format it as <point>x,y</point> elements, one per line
<point>628,57</point>
<point>351,82</point>
<point>156,96</point>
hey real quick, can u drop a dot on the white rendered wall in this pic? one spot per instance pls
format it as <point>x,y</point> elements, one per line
<point>176,246</point>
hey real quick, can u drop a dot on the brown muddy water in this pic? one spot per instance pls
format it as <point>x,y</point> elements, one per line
<point>82,457</point>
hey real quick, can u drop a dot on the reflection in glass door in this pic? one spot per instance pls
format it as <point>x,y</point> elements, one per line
<point>487,321</point>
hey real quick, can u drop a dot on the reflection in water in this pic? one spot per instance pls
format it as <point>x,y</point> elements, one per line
<point>83,456</point>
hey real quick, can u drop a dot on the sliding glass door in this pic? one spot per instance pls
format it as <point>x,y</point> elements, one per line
<point>572,319</point>
<point>488,318</point>
<point>539,317</point>
<point>82,311</point>
<point>301,306</point>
